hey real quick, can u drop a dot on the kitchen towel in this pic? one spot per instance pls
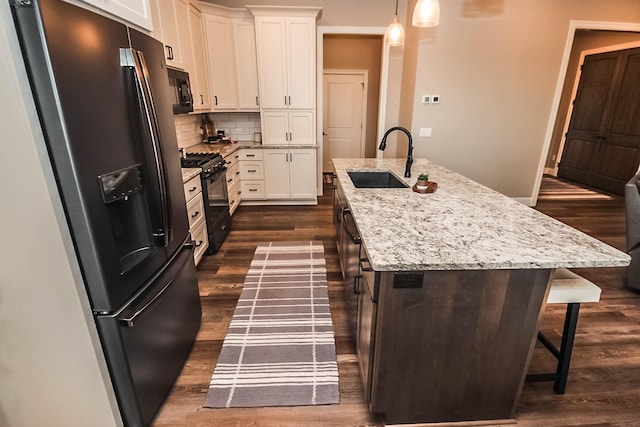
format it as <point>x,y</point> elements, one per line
<point>280,348</point>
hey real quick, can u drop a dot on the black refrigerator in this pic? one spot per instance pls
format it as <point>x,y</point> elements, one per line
<point>105,107</point>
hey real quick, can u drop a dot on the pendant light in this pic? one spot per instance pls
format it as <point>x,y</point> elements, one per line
<point>395,33</point>
<point>426,13</point>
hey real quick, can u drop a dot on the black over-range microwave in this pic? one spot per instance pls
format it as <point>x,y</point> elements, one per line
<point>183,100</point>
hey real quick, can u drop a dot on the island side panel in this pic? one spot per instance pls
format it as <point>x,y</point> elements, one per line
<point>458,347</point>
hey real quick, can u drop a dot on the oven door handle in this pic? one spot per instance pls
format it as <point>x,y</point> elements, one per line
<point>134,58</point>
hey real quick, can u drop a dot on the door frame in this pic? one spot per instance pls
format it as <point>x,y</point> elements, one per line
<point>384,77</point>
<point>574,91</point>
<point>574,25</point>
<point>365,78</point>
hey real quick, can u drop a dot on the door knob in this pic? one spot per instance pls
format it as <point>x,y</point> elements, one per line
<point>324,133</point>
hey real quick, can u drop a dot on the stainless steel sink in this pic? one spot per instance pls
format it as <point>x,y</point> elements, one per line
<point>375,179</point>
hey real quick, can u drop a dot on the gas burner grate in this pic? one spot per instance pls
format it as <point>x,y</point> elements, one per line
<point>208,162</point>
<point>198,160</point>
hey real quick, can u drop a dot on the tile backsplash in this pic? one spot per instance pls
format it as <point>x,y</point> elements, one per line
<point>238,126</point>
<point>188,130</point>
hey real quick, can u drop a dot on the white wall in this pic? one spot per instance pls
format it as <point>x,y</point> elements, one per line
<point>52,372</point>
<point>495,65</point>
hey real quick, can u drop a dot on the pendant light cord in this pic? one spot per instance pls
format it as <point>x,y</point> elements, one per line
<point>396,7</point>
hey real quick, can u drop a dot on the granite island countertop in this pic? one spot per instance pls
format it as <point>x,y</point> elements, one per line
<point>462,226</point>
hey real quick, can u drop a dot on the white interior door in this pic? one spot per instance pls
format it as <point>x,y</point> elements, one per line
<point>343,96</point>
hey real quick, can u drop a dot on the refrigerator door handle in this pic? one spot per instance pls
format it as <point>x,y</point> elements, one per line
<point>129,321</point>
<point>135,59</point>
<point>128,316</point>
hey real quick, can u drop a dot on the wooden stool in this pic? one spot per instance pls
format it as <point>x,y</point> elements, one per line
<point>571,289</point>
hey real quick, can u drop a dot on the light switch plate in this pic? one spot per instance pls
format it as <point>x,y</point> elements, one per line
<point>426,99</point>
<point>425,131</point>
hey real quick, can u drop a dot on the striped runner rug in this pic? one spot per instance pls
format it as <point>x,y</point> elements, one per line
<point>280,349</point>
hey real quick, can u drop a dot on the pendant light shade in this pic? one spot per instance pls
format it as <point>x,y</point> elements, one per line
<point>426,13</point>
<point>395,33</point>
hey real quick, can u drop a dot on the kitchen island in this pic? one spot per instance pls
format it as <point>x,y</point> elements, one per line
<point>449,288</point>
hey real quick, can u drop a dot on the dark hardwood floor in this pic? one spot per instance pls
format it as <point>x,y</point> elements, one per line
<point>604,381</point>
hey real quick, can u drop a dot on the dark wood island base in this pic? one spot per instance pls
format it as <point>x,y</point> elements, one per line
<point>455,349</point>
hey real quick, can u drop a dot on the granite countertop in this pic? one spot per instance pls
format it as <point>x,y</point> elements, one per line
<point>226,149</point>
<point>188,173</point>
<point>223,149</point>
<point>462,226</point>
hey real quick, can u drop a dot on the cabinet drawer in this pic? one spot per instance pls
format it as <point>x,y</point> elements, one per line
<point>192,187</point>
<point>250,154</point>
<point>251,170</point>
<point>201,239</point>
<point>195,209</point>
<point>235,196</point>
<point>252,190</point>
<point>233,175</point>
<point>232,159</point>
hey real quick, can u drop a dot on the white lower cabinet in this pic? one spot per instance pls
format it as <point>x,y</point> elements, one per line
<point>196,214</point>
<point>233,181</point>
<point>201,239</point>
<point>252,190</point>
<point>252,174</point>
<point>290,173</point>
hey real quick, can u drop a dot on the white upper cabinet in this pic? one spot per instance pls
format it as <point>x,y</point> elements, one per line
<point>286,48</point>
<point>199,72</point>
<point>171,27</point>
<point>231,49</point>
<point>287,127</point>
<point>272,62</point>
<point>222,66</point>
<point>179,26</point>
<point>301,62</point>
<point>244,37</point>
<point>135,11</point>
<point>182,10</point>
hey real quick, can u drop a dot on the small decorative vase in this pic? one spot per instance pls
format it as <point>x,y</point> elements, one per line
<point>421,184</point>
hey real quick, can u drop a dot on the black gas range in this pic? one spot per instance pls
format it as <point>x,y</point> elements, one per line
<point>214,192</point>
<point>208,162</point>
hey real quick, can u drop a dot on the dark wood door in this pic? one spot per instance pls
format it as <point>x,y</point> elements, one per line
<point>602,147</point>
